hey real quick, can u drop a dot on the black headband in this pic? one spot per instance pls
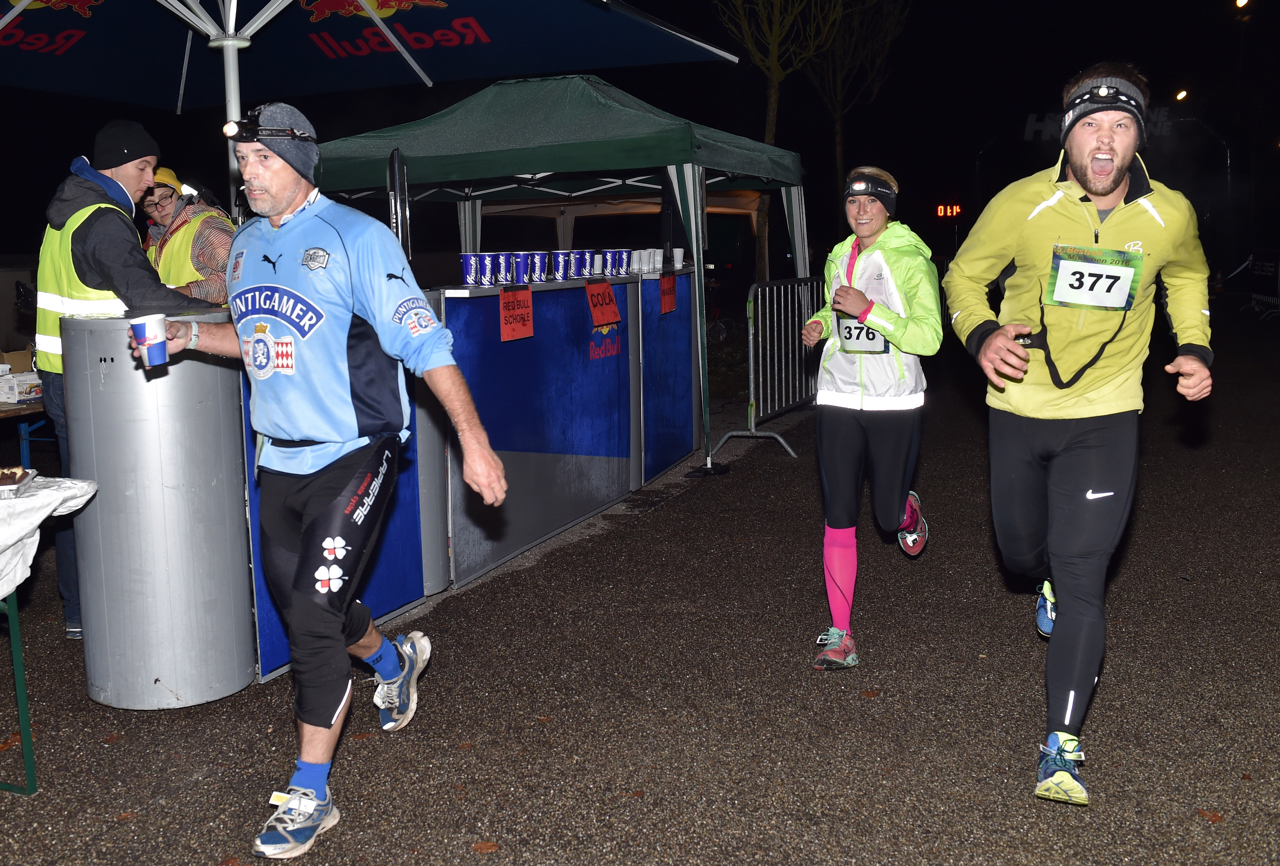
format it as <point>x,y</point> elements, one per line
<point>865,184</point>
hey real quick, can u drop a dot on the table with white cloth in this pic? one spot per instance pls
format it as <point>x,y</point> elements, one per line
<point>20,519</point>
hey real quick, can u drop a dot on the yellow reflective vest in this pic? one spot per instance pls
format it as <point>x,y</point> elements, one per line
<point>61,293</point>
<point>174,253</point>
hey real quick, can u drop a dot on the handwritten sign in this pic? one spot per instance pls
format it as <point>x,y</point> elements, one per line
<point>667,290</point>
<point>516,308</point>
<point>604,306</point>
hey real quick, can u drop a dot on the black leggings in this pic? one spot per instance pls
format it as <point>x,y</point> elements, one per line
<point>317,534</point>
<point>887,442</point>
<point>1060,494</point>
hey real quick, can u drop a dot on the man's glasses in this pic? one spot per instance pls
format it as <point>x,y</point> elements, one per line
<point>158,202</point>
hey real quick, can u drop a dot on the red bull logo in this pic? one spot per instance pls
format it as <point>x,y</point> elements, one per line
<point>27,40</point>
<point>464,31</point>
<point>81,6</point>
<point>322,9</point>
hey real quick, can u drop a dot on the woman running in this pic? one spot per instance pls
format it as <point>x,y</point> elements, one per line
<point>881,315</point>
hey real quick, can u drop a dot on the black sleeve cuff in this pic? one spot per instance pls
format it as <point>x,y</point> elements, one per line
<point>1204,353</point>
<point>978,336</point>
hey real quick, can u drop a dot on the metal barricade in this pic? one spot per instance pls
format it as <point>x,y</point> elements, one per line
<point>782,373</point>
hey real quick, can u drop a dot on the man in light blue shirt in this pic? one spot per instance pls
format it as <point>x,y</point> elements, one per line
<point>325,311</point>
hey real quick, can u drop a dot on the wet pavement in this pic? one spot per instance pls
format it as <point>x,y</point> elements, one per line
<point>639,691</point>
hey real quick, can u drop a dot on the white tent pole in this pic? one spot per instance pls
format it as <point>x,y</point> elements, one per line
<point>13,12</point>
<point>404,52</point>
<point>231,46</point>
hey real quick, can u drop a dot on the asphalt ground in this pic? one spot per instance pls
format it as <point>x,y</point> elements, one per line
<point>640,691</point>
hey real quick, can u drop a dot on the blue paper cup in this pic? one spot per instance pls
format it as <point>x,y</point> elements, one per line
<point>538,267</point>
<point>149,334</point>
<point>610,263</point>
<point>487,269</point>
<point>502,268</point>
<point>520,268</point>
<point>561,265</point>
<point>470,269</point>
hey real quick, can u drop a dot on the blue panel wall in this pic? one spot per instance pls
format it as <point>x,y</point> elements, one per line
<point>393,577</point>
<point>565,390</point>
<point>668,377</point>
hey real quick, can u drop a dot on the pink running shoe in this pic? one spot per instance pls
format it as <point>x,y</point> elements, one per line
<point>839,651</point>
<point>913,541</point>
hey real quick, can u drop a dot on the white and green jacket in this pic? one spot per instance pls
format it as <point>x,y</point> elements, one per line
<point>896,274</point>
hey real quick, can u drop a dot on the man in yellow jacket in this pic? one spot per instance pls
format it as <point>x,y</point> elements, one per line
<point>92,264</point>
<point>188,240</point>
<point>1086,241</point>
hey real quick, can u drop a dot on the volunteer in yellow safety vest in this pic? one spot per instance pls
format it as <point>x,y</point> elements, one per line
<point>91,263</point>
<point>1086,240</point>
<point>189,240</point>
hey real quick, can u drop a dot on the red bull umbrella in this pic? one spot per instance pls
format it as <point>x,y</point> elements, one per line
<point>276,49</point>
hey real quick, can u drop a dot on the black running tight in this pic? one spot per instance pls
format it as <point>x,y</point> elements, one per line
<point>1060,495</point>
<point>886,443</point>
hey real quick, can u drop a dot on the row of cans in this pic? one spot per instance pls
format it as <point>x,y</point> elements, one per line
<point>493,269</point>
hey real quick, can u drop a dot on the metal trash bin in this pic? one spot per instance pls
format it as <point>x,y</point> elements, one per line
<point>165,590</point>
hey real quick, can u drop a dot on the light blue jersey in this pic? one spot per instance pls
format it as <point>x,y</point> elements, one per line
<point>327,309</point>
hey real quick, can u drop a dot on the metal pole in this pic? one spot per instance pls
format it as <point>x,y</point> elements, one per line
<point>231,46</point>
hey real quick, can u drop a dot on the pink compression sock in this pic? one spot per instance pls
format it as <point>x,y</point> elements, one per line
<point>840,562</point>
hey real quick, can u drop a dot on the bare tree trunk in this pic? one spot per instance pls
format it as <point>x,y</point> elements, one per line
<point>840,152</point>
<point>771,111</point>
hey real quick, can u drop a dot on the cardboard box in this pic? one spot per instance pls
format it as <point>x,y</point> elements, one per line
<point>20,388</point>
<point>19,361</point>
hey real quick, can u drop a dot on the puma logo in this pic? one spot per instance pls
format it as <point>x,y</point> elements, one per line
<point>267,259</point>
<point>399,276</point>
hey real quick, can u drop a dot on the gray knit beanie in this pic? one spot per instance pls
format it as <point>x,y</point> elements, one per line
<point>1105,94</point>
<point>302,156</point>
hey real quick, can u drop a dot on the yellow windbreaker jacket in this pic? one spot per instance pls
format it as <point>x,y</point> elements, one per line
<point>1090,337</point>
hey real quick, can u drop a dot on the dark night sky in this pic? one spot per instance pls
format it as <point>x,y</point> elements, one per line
<point>949,123</point>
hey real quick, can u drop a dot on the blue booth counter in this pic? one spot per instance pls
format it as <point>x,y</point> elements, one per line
<point>580,416</point>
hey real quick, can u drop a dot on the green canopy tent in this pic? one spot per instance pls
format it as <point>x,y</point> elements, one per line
<point>564,138</point>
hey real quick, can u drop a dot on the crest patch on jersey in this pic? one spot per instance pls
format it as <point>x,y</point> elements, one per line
<point>416,315</point>
<point>277,302</point>
<point>316,258</point>
<point>236,266</point>
<point>264,354</point>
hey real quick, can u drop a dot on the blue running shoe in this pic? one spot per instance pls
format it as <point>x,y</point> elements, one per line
<point>300,817</point>
<point>398,699</point>
<point>1058,777</point>
<point>1046,609</point>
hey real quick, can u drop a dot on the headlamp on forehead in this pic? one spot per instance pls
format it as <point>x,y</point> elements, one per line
<point>251,130</point>
<point>1106,94</point>
<point>865,184</point>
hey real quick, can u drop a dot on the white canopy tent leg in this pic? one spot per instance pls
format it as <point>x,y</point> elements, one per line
<point>793,204</point>
<point>469,224</point>
<point>690,184</point>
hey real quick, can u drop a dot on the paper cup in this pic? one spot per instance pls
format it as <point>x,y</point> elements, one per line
<point>148,333</point>
<point>677,258</point>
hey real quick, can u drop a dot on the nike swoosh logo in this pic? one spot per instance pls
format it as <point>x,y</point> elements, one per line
<point>1092,495</point>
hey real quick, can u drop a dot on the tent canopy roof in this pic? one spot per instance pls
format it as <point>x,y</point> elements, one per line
<point>528,128</point>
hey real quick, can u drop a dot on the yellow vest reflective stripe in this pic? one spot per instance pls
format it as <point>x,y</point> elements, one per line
<point>62,293</point>
<point>175,255</point>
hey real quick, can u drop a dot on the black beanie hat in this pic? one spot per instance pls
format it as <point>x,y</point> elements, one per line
<point>302,156</point>
<point>122,141</point>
